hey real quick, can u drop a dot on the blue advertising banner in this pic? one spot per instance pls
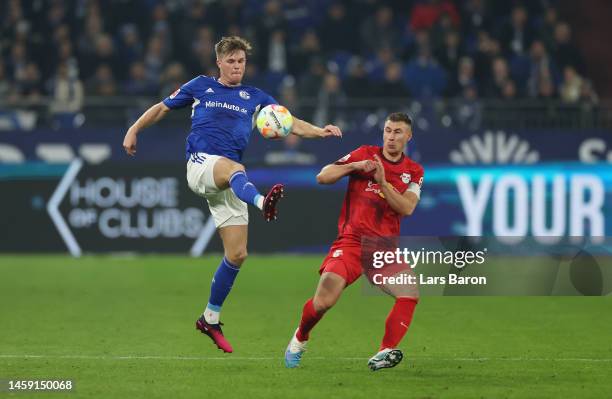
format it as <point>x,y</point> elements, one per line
<point>544,200</point>
<point>59,205</point>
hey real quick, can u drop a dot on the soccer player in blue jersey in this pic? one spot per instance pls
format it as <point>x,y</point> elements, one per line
<point>222,119</point>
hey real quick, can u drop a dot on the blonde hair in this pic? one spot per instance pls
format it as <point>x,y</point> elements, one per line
<point>230,44</point>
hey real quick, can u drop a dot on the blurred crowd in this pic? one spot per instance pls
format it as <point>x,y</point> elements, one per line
<point>329,51</point>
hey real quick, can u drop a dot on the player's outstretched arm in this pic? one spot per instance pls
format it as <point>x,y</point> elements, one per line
<point>332,173</point>
<point>310,131</point>
<point>404,204</point>
<point>148,118</point>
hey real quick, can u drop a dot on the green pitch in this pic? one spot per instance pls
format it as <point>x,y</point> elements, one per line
<point>124,327</point>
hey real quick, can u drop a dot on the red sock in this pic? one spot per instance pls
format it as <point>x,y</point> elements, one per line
<point>398,322</point>
<point>310,318</point>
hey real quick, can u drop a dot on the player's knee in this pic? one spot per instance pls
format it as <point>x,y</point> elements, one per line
<point>235,167</point>
<point>322,304</point>
<point>237,257</point>
<point>223,171</point>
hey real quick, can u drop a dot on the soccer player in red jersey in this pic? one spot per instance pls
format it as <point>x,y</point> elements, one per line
<point>384,186</point>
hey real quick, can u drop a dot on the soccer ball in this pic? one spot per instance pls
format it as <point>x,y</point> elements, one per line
<point>274,121</point>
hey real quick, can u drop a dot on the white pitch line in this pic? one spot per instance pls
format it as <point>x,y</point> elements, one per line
<point>231,357</point>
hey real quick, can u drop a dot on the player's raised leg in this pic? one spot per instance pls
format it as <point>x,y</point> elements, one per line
<point>328,292</point>
<point>228,173</point>
<point>235,243</point>
<point>397,324</point>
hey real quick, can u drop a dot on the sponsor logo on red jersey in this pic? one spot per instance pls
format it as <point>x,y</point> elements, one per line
<point>375,188</point>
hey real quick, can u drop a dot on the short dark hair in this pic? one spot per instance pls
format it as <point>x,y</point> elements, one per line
<point>400,117</point>
<point>228,45</point>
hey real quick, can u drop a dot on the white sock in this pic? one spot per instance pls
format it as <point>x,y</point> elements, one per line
<point>211,316</point>
<point>259,201</point>
<point>295,345</point>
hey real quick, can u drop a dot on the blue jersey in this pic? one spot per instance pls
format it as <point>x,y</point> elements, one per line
<point>222,117</point>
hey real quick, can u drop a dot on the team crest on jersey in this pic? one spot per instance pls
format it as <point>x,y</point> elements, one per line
<point>405,177</point>
<point>243,94</point>
<point>175,93</point>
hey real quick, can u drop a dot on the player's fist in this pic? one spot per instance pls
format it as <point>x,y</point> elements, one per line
<point>331,130</point>
<point>129,143</point>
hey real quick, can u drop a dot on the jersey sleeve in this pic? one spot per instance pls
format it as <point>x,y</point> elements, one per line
<point>182,97</point>
<point>416,181</point>
<point>267,100</point>
<point>356,155</point>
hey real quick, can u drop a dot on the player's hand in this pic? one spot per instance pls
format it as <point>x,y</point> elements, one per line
<point>129,143</point>
<point>331,130</point>
<point>364,166</point>
<point>379,171</point>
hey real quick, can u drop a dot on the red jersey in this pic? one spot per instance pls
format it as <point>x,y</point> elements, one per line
<point>365,212</point>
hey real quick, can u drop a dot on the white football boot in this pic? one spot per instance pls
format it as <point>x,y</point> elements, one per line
<point>385,359</point>
<point>294,352</point>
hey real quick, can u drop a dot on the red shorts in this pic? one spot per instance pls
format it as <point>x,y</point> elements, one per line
<point>344,261</point>
<point>349,263</point>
